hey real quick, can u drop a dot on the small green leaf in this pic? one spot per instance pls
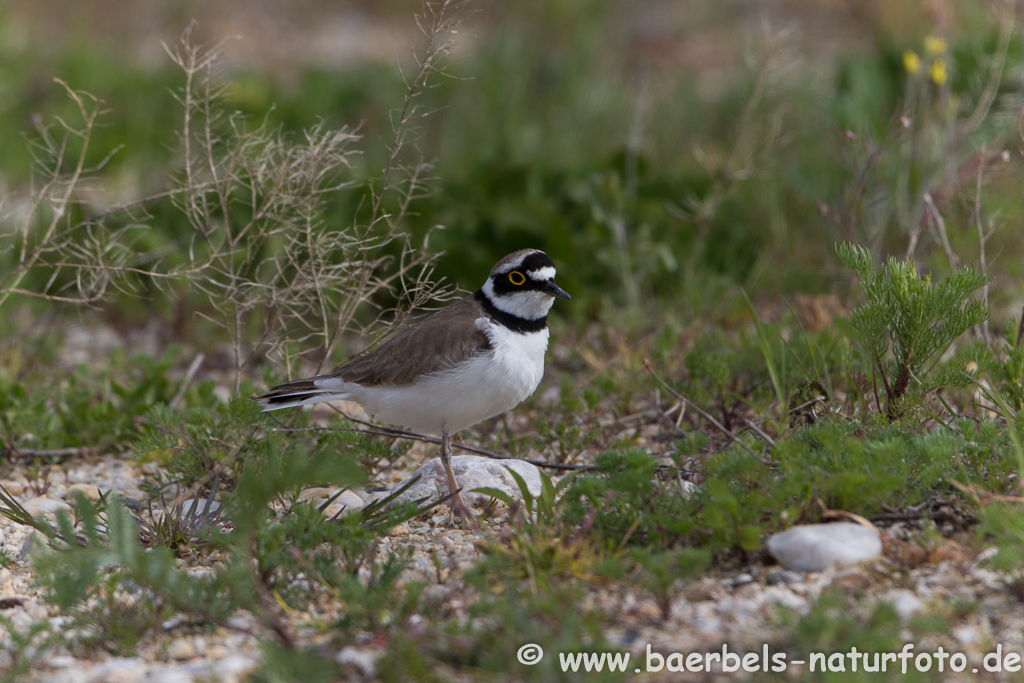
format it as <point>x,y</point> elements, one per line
<point>495,493</point>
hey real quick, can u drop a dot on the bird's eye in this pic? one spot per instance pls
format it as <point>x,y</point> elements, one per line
<point>516,278</point>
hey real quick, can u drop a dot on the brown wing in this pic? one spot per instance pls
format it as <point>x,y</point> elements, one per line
<point>441,340</point>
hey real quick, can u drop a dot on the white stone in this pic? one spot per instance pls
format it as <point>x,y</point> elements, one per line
<point>472,472</point>
<point>905,602</point>
<point>363,660</point>
<point>348,501</point>
<point>69,675</point>
<point>817,547</point>
<point>60,662</point>
<point>40,505</point>
<point>234,668</point>
<point>197,507</point>
<point>779,595</point>
<point>88,490</point>
<point>14,487</point>
<point>708,626</point>
<point>783,576</point>
<point>82,345</point>
<point>118,670</point>
<point>174,676</point>
<point>966,635</point>
<point>181,650</point>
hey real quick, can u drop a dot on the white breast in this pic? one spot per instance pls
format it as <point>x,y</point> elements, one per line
<point>460,397</point>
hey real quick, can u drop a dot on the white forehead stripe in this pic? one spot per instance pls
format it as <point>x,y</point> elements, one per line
<point>542,274</point>
<point>488,289</point>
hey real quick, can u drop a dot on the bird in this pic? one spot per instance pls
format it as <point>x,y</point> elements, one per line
<point>469,361</point>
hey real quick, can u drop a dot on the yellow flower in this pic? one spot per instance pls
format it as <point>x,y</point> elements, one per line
<point>934,45</point>
<point>911,62</point>
<point>937,72</point>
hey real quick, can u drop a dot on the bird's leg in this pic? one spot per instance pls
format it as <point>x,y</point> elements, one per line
<point>455,502</point>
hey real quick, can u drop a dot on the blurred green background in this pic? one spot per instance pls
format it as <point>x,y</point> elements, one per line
<point>666,154</point>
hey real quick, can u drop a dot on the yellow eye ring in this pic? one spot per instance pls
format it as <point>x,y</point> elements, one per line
<point>516,278</point>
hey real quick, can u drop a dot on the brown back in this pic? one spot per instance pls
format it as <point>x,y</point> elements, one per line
<point>441,340</point>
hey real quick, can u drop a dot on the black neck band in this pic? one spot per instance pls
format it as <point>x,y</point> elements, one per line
<point>512,322</point>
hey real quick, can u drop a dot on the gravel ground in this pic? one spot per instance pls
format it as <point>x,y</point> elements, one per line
<point>738,608</point>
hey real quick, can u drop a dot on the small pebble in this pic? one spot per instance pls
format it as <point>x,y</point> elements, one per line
<point>966,635</point>
<point>173,676</point>
<point>15,488</point>
<point>365,661</point>
<point>741,579</point>
<point>181,650</point>
<point>119,670</point>
<point>235,668</point>
<point>90,491</point>
<point>689,489</point>
<point>60,662</point>
<point>218,652</point>
<point>27,546</point>
<point>905,602</point>
<point>41,505</point>
<point>346,502</point>
<point>783,576</point>
<point>198,507</point>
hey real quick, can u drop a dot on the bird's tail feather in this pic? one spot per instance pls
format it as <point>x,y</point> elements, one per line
<point>301,392</point>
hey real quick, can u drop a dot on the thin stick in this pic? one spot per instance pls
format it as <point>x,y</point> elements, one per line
<point>666,416</point>
<point>413,436</point>
<point>438,24</point>
<point>707,416</point>
<point>187,379</point>
<point>985,497</point>
<point>982,263</point>
<point>757,430</point>
<point>939,224</point>
<point>71,452</point>
<point>1020,330</point>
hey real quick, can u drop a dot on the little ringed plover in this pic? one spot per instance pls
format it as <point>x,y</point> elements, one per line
<point>464,363</point>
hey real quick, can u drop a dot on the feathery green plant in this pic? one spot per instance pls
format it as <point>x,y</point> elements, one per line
<point>911,317</point>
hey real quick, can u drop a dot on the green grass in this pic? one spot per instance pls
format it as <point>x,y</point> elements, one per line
<point>534,148</point>
<point>685,223</point>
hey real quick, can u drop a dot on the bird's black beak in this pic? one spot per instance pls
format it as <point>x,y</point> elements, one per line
<point>554,290</point>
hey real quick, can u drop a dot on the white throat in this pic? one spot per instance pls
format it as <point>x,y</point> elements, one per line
<point>528,304</point>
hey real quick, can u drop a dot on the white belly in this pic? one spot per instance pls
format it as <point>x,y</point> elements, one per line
<point>454,399</point>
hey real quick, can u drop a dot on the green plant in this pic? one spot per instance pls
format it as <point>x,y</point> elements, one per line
<point>268,265</point>
<point>261,556</point>
<point>914,318</point>
<point>624,503</point>
<point>284,665</point>
<point>508,616</point>
<point>218,439</point>
<point>659,204</point>
<point>839,630</point>
<point>776,370</point>
<point>117,621</point>
<point>26,646</point>
<point>83,411</point>
<point>660,571</point>
<point>537,511</point>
